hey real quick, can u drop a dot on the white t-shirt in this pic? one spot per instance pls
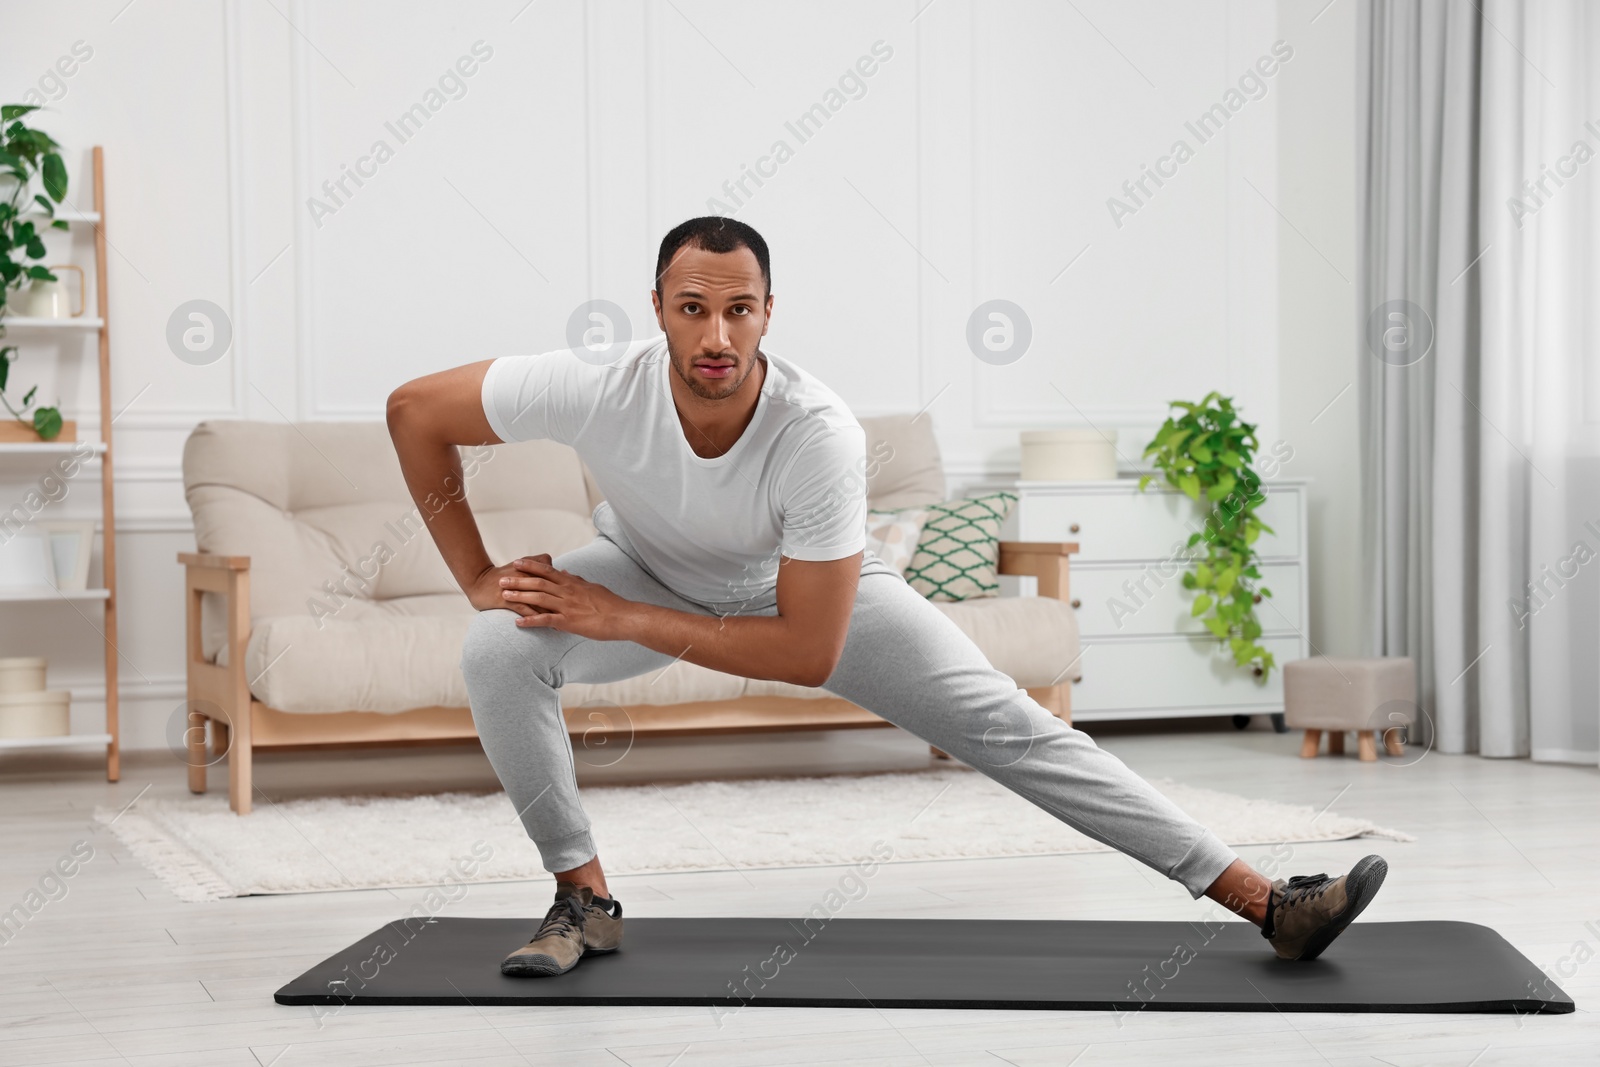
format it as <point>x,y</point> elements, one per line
<point>711,530</point>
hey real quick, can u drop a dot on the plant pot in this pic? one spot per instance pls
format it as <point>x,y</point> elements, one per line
<point>45,713</point>
<point>1069,455</point>
<point>25,562</point>
<point>21,674</point>
<point>14,432</point>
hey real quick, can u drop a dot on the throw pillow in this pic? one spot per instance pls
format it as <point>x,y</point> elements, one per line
<point>958,554</point>
<point>892,535</point>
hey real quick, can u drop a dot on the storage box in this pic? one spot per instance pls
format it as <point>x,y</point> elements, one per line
<point>1069,455</point>
<point>41,714</point>
<point>21,674</point>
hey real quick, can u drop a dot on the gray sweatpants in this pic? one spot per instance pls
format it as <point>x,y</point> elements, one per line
<point>903,660</point>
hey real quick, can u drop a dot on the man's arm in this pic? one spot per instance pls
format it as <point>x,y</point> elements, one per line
<point>801,644</point>
<point>428,417</point>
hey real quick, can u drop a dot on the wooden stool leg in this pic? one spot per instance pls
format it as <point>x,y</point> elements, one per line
<point>1367,745</point>
<point>1335,742</point>
<point>938,753</point>
<point>1392,743</point>
<point>1308,747</point>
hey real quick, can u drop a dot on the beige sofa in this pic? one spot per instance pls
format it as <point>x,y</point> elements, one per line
<point>319,611</point>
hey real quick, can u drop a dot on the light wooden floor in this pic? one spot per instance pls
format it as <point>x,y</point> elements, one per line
<point>117,971</point>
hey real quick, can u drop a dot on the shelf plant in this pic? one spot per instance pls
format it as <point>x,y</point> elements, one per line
<point>25,154</point>
<point>1206,453</point>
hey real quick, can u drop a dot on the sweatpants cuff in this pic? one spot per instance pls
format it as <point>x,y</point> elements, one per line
<point>565,853</point>
<point>1203,864</point>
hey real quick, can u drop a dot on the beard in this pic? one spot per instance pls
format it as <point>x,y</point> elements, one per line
<point>709,389</point>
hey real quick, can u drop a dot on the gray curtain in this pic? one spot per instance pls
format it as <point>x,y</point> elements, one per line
<point>1476,371</point>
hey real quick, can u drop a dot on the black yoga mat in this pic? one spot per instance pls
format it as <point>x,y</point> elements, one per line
<point>945,963</point>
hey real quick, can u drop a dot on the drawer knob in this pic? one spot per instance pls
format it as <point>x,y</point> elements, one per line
<point>1073,527</point>
<point>1257,672</point>
<point>1257,598</point>
<point>1075,681</point>
<point>1077,603</point>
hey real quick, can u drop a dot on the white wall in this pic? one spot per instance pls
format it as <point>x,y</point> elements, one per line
<point>1318,338</point>
<point>978,163</point>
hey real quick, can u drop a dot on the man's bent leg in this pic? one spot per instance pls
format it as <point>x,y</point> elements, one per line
<point>514,675</point>
<point>907,662</point>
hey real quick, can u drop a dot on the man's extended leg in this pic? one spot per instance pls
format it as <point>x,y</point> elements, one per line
<point>906,661</point>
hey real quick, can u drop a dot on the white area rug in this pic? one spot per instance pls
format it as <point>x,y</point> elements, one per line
<point>205,852</point>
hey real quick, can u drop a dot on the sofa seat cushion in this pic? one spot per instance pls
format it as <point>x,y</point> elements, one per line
<point>1033,639</point>
<point>405,653</point>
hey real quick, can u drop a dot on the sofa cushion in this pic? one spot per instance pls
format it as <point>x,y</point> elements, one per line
<point>958,551</point>
<point>903,465</point>
<point>325,516</point>
<point>1034,639</point>
<point>405,653</point>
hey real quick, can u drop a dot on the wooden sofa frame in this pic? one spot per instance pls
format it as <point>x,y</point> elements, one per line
<point>219,696</point>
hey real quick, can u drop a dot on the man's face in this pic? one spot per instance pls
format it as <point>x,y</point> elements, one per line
<point>711,308</point>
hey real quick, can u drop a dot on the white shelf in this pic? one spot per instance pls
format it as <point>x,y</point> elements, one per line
<point>12,455</point>
<point>61,741</point>
<point>48,447</point>
<point>65,214</point>
<point>30,322</point>
<point>49,592</point>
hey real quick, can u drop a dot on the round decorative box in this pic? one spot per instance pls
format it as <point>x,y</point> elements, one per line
<point>1069,455</point>
<point>21,674</point>
<point>40,714</point>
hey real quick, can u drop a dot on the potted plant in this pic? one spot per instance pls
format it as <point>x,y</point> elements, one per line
<point>1206,454</point>
<point>24,154</point>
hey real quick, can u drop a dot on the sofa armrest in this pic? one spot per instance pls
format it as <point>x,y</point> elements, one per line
<point>211,560</point>
<point>1045,560</point>
<point>218,692</point>
<point>228,576</point>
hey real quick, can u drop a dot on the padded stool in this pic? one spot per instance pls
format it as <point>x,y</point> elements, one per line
<point>1335,694</point>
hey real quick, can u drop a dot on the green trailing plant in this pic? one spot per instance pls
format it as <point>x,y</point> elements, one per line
<point>25,154</point>
<point>1206,453</point>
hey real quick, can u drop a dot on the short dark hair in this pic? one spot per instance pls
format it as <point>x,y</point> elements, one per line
<point>714,233</point>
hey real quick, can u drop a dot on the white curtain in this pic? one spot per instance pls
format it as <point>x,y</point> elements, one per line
<point>1481,401</point>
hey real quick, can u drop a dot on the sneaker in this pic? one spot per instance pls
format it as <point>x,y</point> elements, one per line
<point>575,926</point>
<point>1308,911</point>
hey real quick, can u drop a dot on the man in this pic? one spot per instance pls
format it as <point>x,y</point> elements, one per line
<point>732,535</point>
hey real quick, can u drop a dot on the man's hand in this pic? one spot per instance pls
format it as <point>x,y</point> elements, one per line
<point>545,595</point>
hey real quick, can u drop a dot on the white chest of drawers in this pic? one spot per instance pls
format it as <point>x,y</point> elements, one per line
<point>1143,655</point>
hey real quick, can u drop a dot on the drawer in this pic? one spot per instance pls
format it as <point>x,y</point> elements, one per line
<point>1153,525</point>
<point>1143,599</point>
<point>1176,676</point>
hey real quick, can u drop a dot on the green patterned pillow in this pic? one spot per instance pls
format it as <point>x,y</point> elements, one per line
<point>957,556</point>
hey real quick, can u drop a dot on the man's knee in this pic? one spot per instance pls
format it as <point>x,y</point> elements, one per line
<point>494,644</point>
